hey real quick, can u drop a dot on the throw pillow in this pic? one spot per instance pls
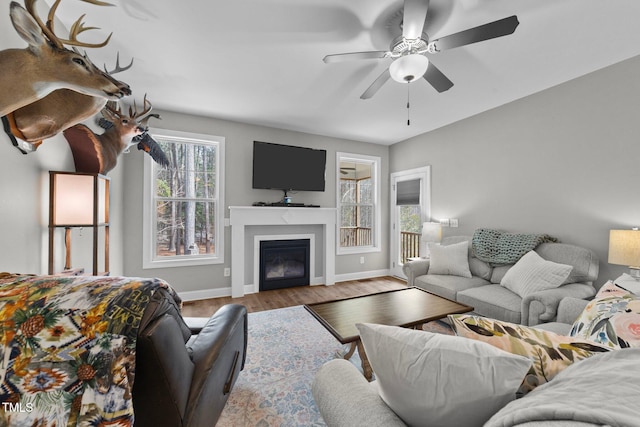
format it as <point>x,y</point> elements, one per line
<point>532,273</point>
<point>450,260</point>
<point>549,352</point>
<point>611,319</point>
<point>440,380</point>
<point>629,283</point>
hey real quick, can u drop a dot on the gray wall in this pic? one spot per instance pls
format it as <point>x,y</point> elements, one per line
<point>24,211</point>
<point>565,161</point>
<point>238,192</point>
<point>24,201</point>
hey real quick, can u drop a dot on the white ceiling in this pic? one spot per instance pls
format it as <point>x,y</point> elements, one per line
<point>260,61</point>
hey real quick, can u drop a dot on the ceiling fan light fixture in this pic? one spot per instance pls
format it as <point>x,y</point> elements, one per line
<point>408,68</point>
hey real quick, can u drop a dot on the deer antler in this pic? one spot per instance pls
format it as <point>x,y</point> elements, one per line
<point>98,2</point>
<point>133,114</point>
<point>145,122</point>
<point>118,67</point>
<point>76,29</point>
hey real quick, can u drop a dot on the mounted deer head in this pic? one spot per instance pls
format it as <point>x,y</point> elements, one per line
<point>32,73</point>
<point>99,153</point>
<point>52,114</point>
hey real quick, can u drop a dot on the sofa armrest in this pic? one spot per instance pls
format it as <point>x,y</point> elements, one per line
<point>345,398</point>
<point>541,307</point>
<point>570,309</point>
<point>415,268</point>
<point>218,353</point>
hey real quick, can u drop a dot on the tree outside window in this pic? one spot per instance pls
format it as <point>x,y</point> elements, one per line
<point>185,202</point>
<point>357,202</point>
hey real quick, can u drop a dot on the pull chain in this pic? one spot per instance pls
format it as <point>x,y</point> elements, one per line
<point>408,106</point>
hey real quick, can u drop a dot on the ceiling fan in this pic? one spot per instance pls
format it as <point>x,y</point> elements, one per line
<point>409,50</point>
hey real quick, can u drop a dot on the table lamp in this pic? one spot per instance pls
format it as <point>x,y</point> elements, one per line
<point>431,233</point>
<point>624,249</point>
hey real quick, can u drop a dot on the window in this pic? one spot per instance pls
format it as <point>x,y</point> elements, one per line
<point>358,203</point>
<point>184,203</point>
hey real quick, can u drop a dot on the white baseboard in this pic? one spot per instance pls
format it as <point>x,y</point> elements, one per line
<point>249,289</point>
<point>361,275</point>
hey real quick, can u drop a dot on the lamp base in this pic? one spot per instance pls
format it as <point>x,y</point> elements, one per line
<point>634,272</point>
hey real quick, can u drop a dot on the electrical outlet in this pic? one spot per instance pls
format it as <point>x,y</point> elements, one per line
<point>227,272</point>
<point>361,260</point>
<point>453,222</point>
<point>445,222</point>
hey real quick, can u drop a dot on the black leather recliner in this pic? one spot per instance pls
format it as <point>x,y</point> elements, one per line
<point>181,378</point>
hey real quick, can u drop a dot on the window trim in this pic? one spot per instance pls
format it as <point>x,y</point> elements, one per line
<point>149,259</point>
<point>376,163</point>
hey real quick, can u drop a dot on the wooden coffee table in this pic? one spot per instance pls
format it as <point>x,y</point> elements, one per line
<point>409,307</point>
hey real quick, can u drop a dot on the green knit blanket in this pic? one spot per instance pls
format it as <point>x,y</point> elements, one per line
<point>497,247</point>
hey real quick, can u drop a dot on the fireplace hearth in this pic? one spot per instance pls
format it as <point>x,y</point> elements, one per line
<point>284,263</point>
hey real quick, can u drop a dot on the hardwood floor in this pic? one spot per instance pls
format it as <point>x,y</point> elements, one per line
<point>270,300</point>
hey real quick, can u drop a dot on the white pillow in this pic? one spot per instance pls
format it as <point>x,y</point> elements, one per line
<point>431,379</point>
<point>628,282</point>
<point>451,260</point>
<point>532,273</point>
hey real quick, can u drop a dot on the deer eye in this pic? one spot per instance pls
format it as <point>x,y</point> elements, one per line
<point>79,61</point>
<point>125,121</point>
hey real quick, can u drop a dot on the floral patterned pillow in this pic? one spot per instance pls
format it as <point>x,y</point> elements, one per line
<point>550,352</point>
<point>611,319</point>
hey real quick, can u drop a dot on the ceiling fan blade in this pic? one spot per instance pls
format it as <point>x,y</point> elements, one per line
<point>499,28</point>
<point>376,85</point>
<point>439,81</point>
<point>415,12</point>
<point>339,57</point>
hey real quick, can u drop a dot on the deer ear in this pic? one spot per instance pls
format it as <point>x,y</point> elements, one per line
<point>109,116</point>
<point>26,26</point>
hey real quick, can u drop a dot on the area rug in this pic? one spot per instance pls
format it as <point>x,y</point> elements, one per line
<point>286,347</point>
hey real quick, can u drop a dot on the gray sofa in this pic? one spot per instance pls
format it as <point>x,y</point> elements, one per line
<point>484,292</point>
<point>345,398</point>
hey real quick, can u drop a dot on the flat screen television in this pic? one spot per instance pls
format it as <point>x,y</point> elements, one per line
<point>288,168</point>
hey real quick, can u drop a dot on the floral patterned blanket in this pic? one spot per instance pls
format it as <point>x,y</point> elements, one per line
<point>67,349</point>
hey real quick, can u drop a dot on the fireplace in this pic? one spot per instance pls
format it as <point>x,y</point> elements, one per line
<point>284,263</point>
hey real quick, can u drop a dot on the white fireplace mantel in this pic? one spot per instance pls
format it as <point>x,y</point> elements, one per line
<point>242,216</point>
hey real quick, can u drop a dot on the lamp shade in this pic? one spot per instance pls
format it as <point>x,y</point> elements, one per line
<point>75,196</point>
<point>624,247</point>
<point>432,232</point>
<point>409,68</point>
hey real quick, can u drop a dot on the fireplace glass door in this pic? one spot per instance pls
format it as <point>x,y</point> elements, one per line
<point>284,263</point>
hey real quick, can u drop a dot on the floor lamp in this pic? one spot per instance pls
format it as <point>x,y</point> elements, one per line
<point>78,200</point>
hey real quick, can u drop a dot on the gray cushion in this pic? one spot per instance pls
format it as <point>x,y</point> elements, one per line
<point>493,301</point>
<point>532,273</point>
<point>448,286</point>
<point>477,267</point>
<point>498,273</point>
<point>345,398</point>
<point>427,378</point>
<point>450,259</point>
<point>480,268</point>
<point>584,261</point>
